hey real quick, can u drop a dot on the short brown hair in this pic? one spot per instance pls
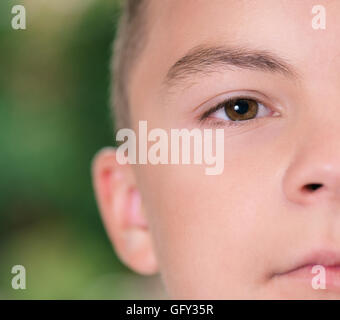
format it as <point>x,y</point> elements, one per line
<point>128,44</point>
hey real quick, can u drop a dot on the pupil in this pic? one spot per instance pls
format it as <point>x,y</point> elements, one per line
<point>241,106</point>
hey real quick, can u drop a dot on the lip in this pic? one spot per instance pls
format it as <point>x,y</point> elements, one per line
<point>316,264</point>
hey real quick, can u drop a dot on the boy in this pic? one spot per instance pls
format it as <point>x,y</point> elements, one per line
<point>267,74</point>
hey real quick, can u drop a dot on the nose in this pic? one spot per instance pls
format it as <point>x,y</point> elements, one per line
<point>314,173</point>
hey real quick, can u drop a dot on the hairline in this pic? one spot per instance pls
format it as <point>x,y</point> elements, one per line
<point>128,45</point>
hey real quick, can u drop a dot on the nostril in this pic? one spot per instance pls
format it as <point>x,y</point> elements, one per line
<point>312,187</point>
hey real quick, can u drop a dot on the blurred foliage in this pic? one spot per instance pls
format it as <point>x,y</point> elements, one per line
<point>54,116</point>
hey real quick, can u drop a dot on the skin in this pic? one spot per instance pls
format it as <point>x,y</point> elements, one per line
<point>234,235</point>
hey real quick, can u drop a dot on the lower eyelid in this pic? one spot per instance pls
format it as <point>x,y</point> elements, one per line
<point>239,126</point>
<point>220,123</point>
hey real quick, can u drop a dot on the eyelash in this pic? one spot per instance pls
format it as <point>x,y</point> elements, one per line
<point>231,123</point>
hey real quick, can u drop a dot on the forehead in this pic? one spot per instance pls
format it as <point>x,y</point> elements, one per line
<point>283,27</point>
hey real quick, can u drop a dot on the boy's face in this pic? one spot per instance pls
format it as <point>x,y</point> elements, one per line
<point>256,230</point>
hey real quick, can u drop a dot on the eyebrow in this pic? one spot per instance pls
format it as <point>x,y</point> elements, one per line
<point>204,59</point>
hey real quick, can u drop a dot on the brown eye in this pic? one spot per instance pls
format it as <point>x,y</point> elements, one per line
<point>241,109</point>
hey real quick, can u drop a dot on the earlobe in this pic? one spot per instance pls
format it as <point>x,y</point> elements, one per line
<point>119,202</point>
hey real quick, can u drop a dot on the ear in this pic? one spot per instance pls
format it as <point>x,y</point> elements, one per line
<point>120,206</point>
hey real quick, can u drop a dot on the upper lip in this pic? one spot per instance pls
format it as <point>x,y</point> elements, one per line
<point>325,258</point>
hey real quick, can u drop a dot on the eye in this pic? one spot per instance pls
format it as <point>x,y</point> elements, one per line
<point>238,109</point>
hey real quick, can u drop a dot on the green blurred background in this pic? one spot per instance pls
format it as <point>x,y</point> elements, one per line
<point>54,116</point>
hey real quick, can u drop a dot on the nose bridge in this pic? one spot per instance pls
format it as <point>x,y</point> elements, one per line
<point>318,124</point>
<point>314,171</point>
<point>321,144</point>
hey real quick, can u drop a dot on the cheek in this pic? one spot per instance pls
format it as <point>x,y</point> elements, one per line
<point>203,225</point>
<point>211,231</point>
